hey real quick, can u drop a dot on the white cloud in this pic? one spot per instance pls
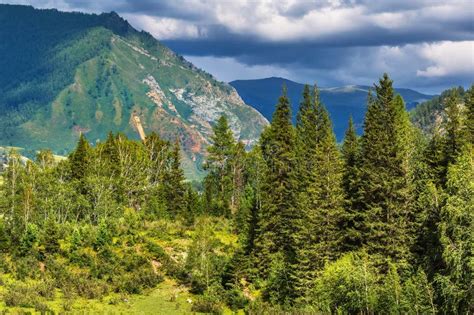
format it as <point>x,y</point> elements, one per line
<point>166,28</point>
<point>447,58</point>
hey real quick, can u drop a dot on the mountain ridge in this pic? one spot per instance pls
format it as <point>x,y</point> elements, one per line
<point>341,102</point>
<point>85,73</point>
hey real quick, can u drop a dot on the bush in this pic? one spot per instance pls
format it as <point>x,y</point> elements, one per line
<point>89,288</point>
<point>235,299</point>
<point>29,240</point>
<point>41,307</point>
<point>46,289</point>
<point>20,295</point>
<point>347,285</point>
<point>26,267</point>
<point>135,282</point>
<point>207,304</point>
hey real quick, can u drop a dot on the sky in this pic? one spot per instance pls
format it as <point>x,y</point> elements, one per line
<point>423,44</point>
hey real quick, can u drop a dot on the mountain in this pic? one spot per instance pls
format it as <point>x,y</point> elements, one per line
<point>63,74</point>
<point>341,102</point>
<point>430,114</point>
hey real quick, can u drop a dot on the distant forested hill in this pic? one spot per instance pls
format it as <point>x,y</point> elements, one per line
<point>430,114</point>
<point>341,102</point>
<point>63,74</point>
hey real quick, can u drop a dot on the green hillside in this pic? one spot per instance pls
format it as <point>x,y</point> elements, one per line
<point>430,114</point>
<point>72,73</point>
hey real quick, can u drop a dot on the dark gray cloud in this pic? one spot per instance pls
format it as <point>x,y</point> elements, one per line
<point>422,43</point>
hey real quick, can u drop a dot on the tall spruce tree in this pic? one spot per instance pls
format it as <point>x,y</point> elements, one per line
<point>384,185</point>
<point>80,159</point>
<point>219,181</point>
<point>351,155</point>
<point>456,130</point>
<point>306,135</point>
<point>275,242</point>
<point>319,234</point>
<point>173,187</point>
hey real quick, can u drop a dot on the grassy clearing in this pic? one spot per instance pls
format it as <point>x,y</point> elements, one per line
<point>167,298</point>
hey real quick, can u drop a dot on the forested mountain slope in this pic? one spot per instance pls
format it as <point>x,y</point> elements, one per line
<point>63,74</point>
<point>430,114</point>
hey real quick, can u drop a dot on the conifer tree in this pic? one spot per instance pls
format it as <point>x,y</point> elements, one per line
<point>306,135</point>
<point>448,139</point>
<point>219,181</point>
<point>80,159</point>
<point>384,185</point>
<point>319,236</point>
<point>173,187</point>
<point>279,212</point>
<point>455,280</point>
<point>455,128</point>
<point>351,155</point>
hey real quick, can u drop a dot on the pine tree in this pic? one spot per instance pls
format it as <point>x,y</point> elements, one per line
<point>279,214</point>
<point>219,181</point>
<point>306,135</point>
<point>456,133</point>
<point>80,159</point>
<point>173,187</point>
<point>455,280</point>
<point>385,189</point>
<point>351,155</point>
<point>435,158</point>
<point>319,237</point>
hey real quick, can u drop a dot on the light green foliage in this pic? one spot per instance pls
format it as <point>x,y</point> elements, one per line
<point>456,228</point>
<point>347,286</point>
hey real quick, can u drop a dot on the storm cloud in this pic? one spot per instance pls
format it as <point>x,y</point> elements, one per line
<point>424,44</point>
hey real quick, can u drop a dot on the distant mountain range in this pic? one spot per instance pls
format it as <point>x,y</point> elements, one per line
<point>63,74</point>
<point>341,102</point>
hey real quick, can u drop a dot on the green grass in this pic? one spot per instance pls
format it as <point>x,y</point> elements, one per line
<point>167,298</point>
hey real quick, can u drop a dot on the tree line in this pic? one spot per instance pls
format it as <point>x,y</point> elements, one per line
<point>381,223</point>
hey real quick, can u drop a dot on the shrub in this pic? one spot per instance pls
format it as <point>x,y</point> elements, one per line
<point>207,304</point>
<point>20,295</point>
<point>134,282</point>
<point>235,299</point>
<point>26,267</point>
<point>46,289</point>
<point>29,240</point>
<point>89,288</point>
<point>347,285</point>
